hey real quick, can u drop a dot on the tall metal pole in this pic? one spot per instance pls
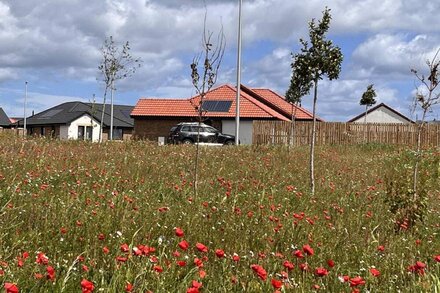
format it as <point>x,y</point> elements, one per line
<point>237,100</point>
<point>111,114</point>
<point>24,114</point>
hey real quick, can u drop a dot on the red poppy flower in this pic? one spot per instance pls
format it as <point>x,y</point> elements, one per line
<point>202,274</point>
<point>196,284</point>
<point>375,272</point>
<point>87,286</point>
<point>308,250</point>
<point>179,232</point>
<point>316,287</point>
<point>321,272</point>
<point>304,267</point>
<point>125,248</point>
<point>420,265</point>
<point>236,257</point>
<point>288,265</point>
<point>437,258</point>
<point>50,273</point>
<point>260,271</point>
<point>198,262</point>
<point>42,258</point>
<point>25,255</point>
<point>298,254</point>
<point>330,263</point>
<point>201,247</point>
<point>356,281</point>
<point>183,245</point>
<point>381,248</point>
<point>158,269</point>
<point>219,253</point>
<point>105,250</point>
<point>181,263</point>
<point>11,288</point>
<point>128,287</point>
<point>276,284</point>
<point>121,258</point>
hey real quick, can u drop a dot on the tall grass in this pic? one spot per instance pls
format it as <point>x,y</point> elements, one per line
<point>80,203</point>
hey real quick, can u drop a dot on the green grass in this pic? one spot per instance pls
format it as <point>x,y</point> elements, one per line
<point>59,197</point>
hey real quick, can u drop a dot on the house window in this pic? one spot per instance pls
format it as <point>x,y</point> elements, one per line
<point>85,132</point>
<point>43,131</point>
<point>118,133</point>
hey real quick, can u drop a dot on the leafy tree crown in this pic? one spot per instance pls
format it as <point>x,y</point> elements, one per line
<point>317,58</point>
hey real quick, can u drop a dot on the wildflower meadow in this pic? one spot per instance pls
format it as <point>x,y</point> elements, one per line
<point>123,217</point>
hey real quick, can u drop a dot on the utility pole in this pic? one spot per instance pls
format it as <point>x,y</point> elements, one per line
<point>237,101</point>
<point>24,116</point>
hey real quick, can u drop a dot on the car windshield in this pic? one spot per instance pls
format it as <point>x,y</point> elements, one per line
<point>210,129</point>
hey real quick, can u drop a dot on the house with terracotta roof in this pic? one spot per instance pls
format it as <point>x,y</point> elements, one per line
<point>381,113</point>
<point>153,117</point>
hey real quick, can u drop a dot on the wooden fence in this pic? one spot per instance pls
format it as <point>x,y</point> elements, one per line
<point>16,131</point>
<point>280,132</point>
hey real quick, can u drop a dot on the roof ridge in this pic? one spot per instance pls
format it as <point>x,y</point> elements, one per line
<point>261,105</point>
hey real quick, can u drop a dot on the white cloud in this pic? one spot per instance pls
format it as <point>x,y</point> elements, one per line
<point>55,40</point>
<point>393,55</point>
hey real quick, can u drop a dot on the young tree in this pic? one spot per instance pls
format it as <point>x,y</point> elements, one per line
<point>318,59</point>
<point>426,97</point>
<point>204,73</point>
<point>117,63</point>
<point>367,100</point>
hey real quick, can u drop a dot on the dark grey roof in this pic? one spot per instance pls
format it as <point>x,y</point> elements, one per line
<point>68,112</point>
<point>4,120</point>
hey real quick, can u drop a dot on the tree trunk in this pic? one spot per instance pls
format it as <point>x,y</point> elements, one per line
<point>365,124</point>
<point>312,143</point>
<point>102,116</point>
<point>418,148</point>
<point>292,127</point>
<point>196,163</point>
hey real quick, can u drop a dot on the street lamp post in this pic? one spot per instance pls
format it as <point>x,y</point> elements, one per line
<point>237,101</point>
<point>24,114</point>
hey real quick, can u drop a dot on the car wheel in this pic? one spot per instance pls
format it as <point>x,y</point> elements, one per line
<point>229,142</point>
<point>187,141</point>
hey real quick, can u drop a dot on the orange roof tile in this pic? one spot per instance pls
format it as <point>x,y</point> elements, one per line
<point>249,106</point>
<point>280,103</point>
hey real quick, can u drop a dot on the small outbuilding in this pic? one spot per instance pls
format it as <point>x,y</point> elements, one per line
<point>381,114</point>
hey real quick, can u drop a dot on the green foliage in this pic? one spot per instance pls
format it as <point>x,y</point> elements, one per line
<point>316,59</point>
<point>409,209</point>
<point>71,199</point>
<point>368,97</point>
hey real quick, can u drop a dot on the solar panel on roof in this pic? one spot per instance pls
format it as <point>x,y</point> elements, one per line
<point>216,106</point>
<point>50,113</point>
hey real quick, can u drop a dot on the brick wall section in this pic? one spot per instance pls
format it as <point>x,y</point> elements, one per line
<point>153,128</point>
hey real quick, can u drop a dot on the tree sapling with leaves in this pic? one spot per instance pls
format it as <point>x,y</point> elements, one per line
<point>317,59</point>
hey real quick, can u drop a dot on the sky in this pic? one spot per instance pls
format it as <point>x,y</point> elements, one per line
<point>55,45</point>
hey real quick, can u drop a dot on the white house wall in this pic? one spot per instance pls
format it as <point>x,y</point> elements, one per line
<point>85,120</point>
<point>228,127</point>
<point>382,115</point>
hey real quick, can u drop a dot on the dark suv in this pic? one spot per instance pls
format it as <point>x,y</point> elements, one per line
<point>186,133</point>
